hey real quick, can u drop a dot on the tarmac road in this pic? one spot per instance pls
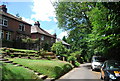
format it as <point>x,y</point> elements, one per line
<point>82,73</point>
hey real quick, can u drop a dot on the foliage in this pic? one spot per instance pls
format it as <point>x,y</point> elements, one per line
<point>77,64</point>
<point>53,69</point>
<point>46,46</point>
<point>12,55</point>
<point>93,28</point>
<point>7,51</point>
<point>64,39</point>
<point>58,48</point>
<point>49,58</point>
<point>71,58</point>
<point>12,72</point>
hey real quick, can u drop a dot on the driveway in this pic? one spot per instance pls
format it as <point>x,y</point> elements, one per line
<point>82,73</point>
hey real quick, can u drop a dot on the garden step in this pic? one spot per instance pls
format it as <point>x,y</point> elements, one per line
<point>43,77</point>
<point>1,59</point>
<point>14,63</point>
<point>8,61</point>
<point>37,73</point>
<point>1,56</point>
<point>49,79</point>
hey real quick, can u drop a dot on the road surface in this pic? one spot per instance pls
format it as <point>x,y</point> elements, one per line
<point>82,73</point>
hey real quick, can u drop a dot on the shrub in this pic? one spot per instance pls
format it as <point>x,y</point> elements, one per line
<point>7,51</point>
<point>71,58</point>
<point>76,64</point>
<point>48,57</point>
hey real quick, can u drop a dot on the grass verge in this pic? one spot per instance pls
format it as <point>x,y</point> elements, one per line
<point>51,68</point>
<point>16,72</point>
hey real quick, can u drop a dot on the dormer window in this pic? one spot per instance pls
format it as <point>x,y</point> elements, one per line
<point>21,27</point>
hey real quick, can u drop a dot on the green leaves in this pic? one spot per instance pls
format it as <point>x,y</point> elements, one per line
<point>59,48</point>
<point>94,27</point>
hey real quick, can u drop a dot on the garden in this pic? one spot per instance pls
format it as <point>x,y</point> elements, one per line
<point>42,62</point>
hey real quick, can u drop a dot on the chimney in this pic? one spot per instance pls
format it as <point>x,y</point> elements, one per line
<point>3,8</point>
<point>37,24</point>
<point>55,35</point>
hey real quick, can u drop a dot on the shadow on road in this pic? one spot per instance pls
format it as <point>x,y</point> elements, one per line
<point>87,66</point>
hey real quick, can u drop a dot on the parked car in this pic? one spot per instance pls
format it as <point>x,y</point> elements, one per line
<point>110,70</point>
<point>96,62</point>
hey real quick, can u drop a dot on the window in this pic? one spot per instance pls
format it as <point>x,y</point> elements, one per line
<point>21,27</point>
<point>1,21</point>
<point>4,22</point>
<point>8,35</point>
<point>1,34</point>
<point>52,40</point>
<point>42,38</point>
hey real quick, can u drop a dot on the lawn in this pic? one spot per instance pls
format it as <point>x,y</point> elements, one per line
<point>51,68</point>
<point>16,72</point>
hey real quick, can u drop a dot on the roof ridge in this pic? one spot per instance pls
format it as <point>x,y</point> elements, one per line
<point>12,16</point>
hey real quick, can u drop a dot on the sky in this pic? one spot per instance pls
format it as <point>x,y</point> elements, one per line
<point>36,10</point>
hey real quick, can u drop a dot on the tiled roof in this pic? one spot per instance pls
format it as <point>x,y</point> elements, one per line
<point>36,29</point>
<point>13,17</point>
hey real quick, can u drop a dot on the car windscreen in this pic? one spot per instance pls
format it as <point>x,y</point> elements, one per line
<point>114,65</point>
<point>99,59</point>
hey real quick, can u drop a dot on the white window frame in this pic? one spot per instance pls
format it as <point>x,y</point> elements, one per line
<point>3,22</point>
<point>22,28</point>
<point>8,35</point>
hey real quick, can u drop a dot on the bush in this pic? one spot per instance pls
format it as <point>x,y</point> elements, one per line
<point>7,51</point>
<point>77,64</point>
<point>71,58</point>
<point>49,58</point>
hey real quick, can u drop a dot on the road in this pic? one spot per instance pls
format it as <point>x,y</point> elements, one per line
<point>82,73</point>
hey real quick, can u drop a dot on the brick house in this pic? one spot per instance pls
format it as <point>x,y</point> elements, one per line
<point>44,37</point>
<point>12,29</point>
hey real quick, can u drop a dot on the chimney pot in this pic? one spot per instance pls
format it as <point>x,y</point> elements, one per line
<point>37,24</point>
<point>3,8</point>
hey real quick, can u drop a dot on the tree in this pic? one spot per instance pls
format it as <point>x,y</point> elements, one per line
<point>64,39</point>
<point>94,27</point>
<point>71,16</point>
<point>59,48</point>
<point>105,35</point>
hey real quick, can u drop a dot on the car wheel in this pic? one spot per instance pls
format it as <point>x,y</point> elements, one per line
<point>110,80</point>
<point>106,79</point>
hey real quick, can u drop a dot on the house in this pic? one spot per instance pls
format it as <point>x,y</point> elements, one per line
<point>46,40</point>
<point>12,29</point>
<point>64,43</point>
